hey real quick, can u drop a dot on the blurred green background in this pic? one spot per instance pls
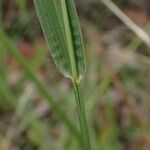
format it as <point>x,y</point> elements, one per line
<point>116,87</point>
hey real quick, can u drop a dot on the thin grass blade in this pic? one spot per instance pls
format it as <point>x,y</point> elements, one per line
<point>61,28</point>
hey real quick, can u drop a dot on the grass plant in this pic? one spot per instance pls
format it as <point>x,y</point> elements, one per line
<point>116,85</point>
<point>61,28</point>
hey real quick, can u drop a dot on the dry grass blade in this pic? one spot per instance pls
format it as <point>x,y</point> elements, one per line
<point>126,20</point>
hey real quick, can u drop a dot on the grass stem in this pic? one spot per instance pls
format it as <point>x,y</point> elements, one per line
<point>81,113</point>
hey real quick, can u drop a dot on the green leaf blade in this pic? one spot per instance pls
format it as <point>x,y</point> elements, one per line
<point>61,28</point>
<point>77,37</point>
<point>53,33</point>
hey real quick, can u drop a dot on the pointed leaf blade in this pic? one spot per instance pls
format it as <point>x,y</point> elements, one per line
<point>61,28</point>
<point>53,31</point>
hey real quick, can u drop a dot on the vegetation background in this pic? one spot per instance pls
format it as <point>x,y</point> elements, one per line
<point>116,87</point>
